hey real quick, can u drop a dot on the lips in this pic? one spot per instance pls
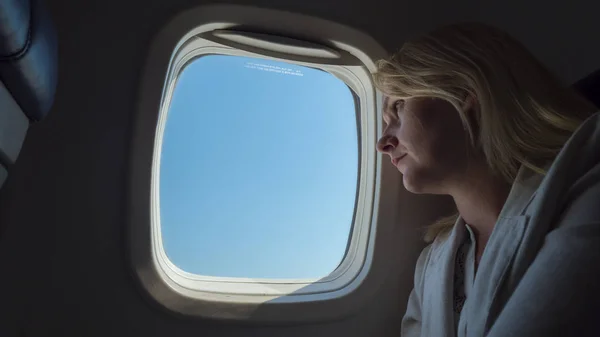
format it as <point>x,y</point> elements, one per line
<point>397,159</point>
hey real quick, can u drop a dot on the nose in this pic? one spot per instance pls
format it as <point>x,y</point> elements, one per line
<point>387,144</point>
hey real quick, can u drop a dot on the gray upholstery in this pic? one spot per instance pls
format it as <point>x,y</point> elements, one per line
<point>13,127</point>
<point>3,174</point>
<point>28,55</point>
<point>28,71</point>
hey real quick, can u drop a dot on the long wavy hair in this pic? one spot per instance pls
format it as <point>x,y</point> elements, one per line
<point>524,114</point>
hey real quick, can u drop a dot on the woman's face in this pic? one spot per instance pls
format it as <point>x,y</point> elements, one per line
<point>425,139</point>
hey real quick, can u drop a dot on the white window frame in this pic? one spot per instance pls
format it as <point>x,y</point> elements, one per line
<point>344,52</point>
<point>354,77</point>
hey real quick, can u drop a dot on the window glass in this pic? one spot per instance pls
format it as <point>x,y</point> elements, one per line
<point>258,169</point>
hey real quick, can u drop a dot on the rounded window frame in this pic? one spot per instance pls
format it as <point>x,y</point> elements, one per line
<point>198,32</point>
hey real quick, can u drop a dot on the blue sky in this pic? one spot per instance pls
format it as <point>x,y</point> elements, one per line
<point>258,169</point>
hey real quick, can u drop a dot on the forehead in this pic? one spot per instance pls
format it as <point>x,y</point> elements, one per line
<point>386,109</point>
<point>386,103</point>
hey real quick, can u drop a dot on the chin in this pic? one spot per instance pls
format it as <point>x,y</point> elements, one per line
<point>418,184</point>
<point>411,185</point>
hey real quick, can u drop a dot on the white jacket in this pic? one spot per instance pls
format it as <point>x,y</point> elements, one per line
<point>540,271</point>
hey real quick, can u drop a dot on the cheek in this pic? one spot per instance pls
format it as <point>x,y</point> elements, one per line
<point>448,148</point>
<point>433,143</point>
<point>415,138</point>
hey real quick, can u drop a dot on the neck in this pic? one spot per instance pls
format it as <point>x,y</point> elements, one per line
<point>479,199</point>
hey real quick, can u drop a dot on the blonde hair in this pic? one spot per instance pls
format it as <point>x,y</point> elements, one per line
<point>524,114</point>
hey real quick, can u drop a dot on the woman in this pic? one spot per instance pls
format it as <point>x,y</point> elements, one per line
<point>470,113</point>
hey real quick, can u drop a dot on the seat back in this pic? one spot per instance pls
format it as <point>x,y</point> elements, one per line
<point>28,72</point>
<point>589,87</point>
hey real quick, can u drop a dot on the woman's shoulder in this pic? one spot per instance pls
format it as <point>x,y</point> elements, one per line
<point>434,249</point>
<point>576,168</point>
<point>569,193</point>
<point>421,265</point>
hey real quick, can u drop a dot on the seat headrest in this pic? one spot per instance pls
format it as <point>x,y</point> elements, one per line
<point>28,55</point>
<point>589,87</point>
<point>28,71</point>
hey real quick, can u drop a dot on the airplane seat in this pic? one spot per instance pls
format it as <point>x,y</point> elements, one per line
<point>589,87</point>
<point>28,73</point>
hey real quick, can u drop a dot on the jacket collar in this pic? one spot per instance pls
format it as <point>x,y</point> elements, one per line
<point>492,269</point>
<point>521,193</point>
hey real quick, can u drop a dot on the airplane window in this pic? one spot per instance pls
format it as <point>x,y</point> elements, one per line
<point>258,169</point>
